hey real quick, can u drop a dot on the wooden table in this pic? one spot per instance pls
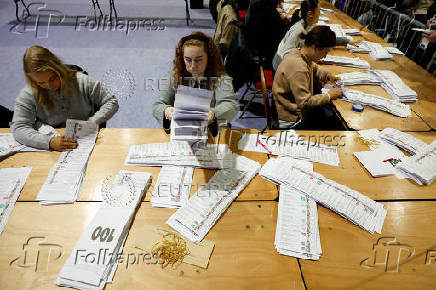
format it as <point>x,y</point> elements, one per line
<point>405,251</point>
<point>353,174</point>
<point>107,159</point>
<point>244,256</point>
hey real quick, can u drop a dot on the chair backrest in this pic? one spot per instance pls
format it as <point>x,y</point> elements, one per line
<point>5,117</point>
<point>268,103</point>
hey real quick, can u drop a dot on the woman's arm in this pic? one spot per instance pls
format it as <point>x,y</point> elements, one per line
<point>226,106</point>
<point>300,88</point>
<point>166,99</point>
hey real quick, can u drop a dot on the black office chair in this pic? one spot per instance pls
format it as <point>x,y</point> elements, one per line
<point>5,117</point>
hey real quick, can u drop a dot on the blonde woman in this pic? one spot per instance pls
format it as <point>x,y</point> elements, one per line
<point>53,94</point>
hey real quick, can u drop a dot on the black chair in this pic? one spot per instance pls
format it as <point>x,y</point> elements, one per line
<point>5,117</point>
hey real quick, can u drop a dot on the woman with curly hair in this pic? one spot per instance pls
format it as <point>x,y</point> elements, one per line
<point>55,93</point>
<point>198,63</point>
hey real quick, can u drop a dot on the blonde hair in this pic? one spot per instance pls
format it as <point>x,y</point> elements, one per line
<point>39,59</point>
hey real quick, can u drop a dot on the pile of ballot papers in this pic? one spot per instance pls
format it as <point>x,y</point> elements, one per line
<point>352,31</point>
<point>395,86</point>
<point>350,204</point>
<point>191,110</point>
<point>376,102</point>
<point>359,78</point>
<point>105,234</point>
<point>65,178</point>
<point>287,7</point>
<point>297,232</point>
<point>360,48</point>
<point>194,219</point>
<point>172,187</point>
<point>12,181</point>
<point>377,161</point>
<point>346,61</point>
<point>375,50</point>
<point>337,29</point>
<point>180,153</point>
<point>421,167</point>
<point>403,140</point>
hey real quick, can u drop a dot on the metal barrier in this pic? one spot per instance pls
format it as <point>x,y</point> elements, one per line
<point>394,27</point>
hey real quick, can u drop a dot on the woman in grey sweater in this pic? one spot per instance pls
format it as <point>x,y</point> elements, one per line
<point>53,94</point>
<point>198,63</point>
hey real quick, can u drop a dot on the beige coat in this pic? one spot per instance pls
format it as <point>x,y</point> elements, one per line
<point>226,25</point>
<point>293,86</point>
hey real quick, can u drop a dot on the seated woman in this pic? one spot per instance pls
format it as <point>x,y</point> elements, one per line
<point>293,83</point>
<point>198,61</point>
<point>55,93</point>
<point>310,10</point>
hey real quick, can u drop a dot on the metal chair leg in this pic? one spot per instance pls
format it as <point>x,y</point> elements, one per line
<point>248,104</point>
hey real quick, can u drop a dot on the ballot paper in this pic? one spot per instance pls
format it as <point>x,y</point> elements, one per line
<point>359,78</point>
<point>346,61</point>
<point>288,143</point>
<point>172,187</point>
<point>323,20</point>
<point>327,10</point>
<point>350,204</point>
<point>403,140</point>
<point>105,234</point>
<point>378,52</point>
<point>377,161</point>
<point>376,102</point>
<point>180,153</point>
<point>8,145</point>
<point>65,178</point>
<point>287,7</point>
<point>199,253</point>
<point>395,86</point>
<point>394,50</point>
<point>194,219</point>
<point>12,181</point>
<point>372,138</point>
<point>352,31</point>
<point>191,109</point>
<point>421,167</point>
<point>297,232</point>
<point>360,48</point>
<point>337,29</point>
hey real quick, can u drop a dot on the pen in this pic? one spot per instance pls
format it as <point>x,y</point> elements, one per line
<point>390,159</point>
<point>264,147</point>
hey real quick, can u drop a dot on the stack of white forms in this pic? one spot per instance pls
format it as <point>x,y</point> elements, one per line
<point>396,87</point>
<point>375,50</point>
<point>287,7</point>
<point>348,203</point>
<point>403,140</point>
<point>394,50</point>
<point>194,219</point>
<point>376,161</point>
<point>12,181</point>
<point>105,234</point>
<point>337,29</point>
<point>352,31</point>
<point>422,166</point>
<point>65,178</point>
<point>376,102</point>
<point>359,78</point>
<point>191,109</point>
<point>180,153</point>
<point>172,187</point>
<point>290,145</point>
<point>297,231</point>
<point>360,48</point>
<point>346,61</point>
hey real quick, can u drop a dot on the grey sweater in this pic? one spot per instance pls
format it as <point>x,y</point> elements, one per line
<point>223,102</point>
<point>89,101</point>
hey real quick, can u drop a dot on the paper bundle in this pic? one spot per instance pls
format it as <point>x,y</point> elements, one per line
<point>359,78</point>
<point>105,234</point>
<point>403,140</point>
<point>346,61</point>
<point>396,87</point>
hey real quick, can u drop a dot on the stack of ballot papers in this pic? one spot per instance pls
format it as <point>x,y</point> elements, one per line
<point>372,138</point>
<point>289,143</point>
<point>287,7</point>
<point>350,204</point>
<point>360,48</point>
<point>194,219</point>
<point>394,50</point>
<point>12,181</point>
<point>352,31</point>
<point>337,29</point>
<point>297,232</point>
<point>403,140</point>
<point>377,161</point>
<point>65,178</point>
<point>359,78</point>
<point>422,166</point>
<point>172,187</point>
<point>395,86</point>
<point>191,109</point>
<point>323,20</point>
<point>105,234</point>
<point>180,153</point>
<point>376,102</point>
<point>378,52</point>
<point>346,61</point>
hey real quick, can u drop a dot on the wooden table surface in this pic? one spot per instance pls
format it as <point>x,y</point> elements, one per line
<point>107,159</point>
<point>244,256</point>
<point>353,174</point>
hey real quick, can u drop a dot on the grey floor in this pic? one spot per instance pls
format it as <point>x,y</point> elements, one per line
<point>130,64</point>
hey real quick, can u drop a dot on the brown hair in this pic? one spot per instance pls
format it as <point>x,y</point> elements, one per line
<point>215,67</point>
<point>320,36</point>
<point>38,59</point>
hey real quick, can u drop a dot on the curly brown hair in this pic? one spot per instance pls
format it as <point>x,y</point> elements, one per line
<point>214,69</point>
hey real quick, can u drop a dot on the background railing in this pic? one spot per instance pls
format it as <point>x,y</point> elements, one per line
<point>394,27</point>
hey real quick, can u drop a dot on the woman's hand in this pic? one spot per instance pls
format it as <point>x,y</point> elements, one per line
<point>60,143</point>
<point>333,79</point>
<point>211,117</point>
<point>169,113</point>
<point>354,42</point>
<point>335,93</point>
